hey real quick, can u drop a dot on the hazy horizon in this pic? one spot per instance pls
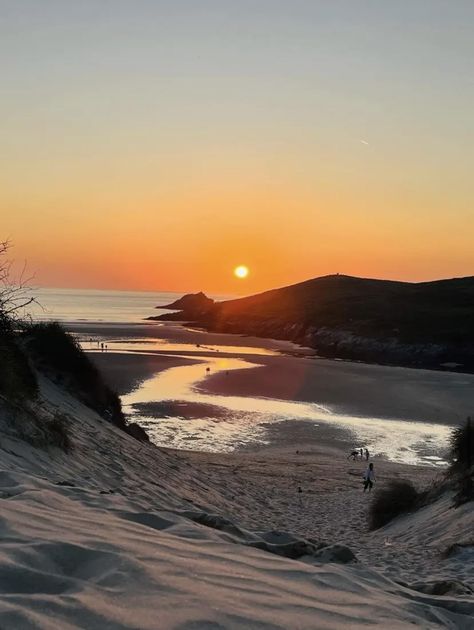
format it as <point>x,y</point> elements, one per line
<point>162,144</point>
<point>239,293</point>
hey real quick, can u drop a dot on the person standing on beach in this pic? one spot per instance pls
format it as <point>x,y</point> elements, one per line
<point>367,455</point>
<point>369,477</point>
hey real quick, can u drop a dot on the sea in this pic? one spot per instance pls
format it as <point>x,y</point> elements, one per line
<point>94,305</point>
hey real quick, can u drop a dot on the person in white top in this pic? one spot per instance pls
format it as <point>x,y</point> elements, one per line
<point>369,477</point>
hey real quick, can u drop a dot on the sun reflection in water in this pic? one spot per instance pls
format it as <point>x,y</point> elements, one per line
<point>243,419</point>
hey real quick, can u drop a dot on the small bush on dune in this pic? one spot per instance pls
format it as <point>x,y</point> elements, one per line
<point>57,352</point>
<point>462,448</point>
<point>29,422</point>
<point>462,461</point>
<point>17,379</point>
<point>397,497</point>
<point>58,433</point>
<point>45,433</point>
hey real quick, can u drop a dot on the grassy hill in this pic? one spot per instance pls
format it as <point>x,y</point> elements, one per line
<point>424,323</point>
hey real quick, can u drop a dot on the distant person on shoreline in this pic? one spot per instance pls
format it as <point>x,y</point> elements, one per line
<point>369,477</point>
<point>353,454</point>
<point>367,454</point>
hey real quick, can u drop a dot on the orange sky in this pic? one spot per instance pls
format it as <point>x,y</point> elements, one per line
<point>159,151</point>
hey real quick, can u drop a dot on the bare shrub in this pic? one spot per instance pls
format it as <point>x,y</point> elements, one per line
<point>461,468</point>
<point>58,434</point>
<point>397,497</point>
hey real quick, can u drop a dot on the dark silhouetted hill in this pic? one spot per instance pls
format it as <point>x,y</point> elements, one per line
<point>428,324</point>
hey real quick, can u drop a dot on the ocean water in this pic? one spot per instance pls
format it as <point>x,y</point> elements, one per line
<point>91,305</point>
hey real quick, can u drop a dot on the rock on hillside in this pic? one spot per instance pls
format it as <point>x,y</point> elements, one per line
<point>191,303</point>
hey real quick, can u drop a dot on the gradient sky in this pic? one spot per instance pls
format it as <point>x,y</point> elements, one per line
<point>156,145</point>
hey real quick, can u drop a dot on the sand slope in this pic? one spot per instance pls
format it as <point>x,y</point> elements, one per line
<point>121,535</point>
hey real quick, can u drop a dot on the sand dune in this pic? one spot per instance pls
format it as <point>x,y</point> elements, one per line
<point>120,535</point>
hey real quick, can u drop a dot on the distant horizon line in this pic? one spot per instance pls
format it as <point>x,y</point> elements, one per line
<point>225,294</point>
<point>110,290</point>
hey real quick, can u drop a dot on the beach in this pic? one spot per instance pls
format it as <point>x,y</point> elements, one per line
<point>244,509</point>
<point>296,478</point>
<point>195,390</point>
<point>121,534</point>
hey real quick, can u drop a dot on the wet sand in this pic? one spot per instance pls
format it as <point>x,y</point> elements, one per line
<point>357,389</point>
<point>180,333</point>
<point>124,372</point>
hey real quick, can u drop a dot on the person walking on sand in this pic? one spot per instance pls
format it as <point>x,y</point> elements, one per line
<point>369,477</point>
<point>367,454</point>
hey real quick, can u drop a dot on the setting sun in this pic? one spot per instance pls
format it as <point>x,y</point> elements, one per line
<point>241,271</point>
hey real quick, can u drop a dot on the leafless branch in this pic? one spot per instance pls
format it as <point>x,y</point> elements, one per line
<point>15,294</point>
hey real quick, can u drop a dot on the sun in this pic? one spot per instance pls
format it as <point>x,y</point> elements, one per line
<point>241,271</point>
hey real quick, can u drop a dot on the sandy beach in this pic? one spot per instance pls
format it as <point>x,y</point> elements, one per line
<point>197,391</point>
<point>347,387</point>
<point>295,482</point>
<point>119,534</point>
<point>269,532</point>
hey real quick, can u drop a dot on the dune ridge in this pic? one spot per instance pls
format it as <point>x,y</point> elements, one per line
<point>119,534</point>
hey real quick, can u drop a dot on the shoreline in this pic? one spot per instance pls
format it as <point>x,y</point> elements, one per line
<point>138,517</point>
<point>147,520</point>
<point>290,348</point>
<point>357,402</point>
<point>358,389</point>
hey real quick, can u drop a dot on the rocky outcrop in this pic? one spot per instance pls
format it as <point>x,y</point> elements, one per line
<point>192,303</point>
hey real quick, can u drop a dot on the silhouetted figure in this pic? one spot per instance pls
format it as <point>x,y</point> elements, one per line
<point>367,454</point>
<point>361,453</point>
<point>353,454</point>
<point>369,478</point>
<point>101,347</point>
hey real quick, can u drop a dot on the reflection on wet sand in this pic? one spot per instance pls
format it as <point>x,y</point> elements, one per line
<point>187,417</point>
<point>163,345</point>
